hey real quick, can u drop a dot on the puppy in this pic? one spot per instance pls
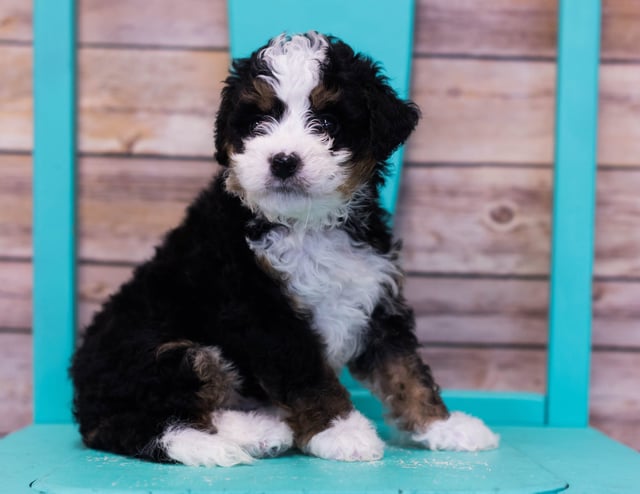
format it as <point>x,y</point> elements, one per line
<point>226,345</point>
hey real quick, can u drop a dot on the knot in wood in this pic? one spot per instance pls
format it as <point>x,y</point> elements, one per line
<point>501,216</point>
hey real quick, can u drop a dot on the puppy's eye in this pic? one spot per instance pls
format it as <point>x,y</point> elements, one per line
<point>254,124</point>
<point>328,124</point>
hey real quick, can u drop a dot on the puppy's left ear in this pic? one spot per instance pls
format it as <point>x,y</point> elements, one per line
<point>392,119</point>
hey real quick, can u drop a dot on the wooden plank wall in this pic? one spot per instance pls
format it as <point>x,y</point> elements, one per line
<point>476,196</point>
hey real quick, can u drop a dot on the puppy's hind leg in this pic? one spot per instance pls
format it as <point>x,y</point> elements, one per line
<point>199,443</point>
<point>197,379</point>
<point>161,411</point>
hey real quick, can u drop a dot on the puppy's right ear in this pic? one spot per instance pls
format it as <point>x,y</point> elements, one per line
<point>222,137</point>
<point>224,132</point>
<point>392,119</point>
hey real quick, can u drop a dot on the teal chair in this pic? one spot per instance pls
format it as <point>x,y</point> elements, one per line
<point>547,445</point>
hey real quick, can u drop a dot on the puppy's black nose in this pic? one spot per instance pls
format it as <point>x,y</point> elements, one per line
<point>285,165</point>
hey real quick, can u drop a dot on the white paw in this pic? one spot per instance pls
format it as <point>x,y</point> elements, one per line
<point>460,432</point>
<point>197,448</point>
<point>260,433</point>
<point>350,439</point>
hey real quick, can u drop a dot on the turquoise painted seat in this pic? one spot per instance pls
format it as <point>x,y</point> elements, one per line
<point>546,443</point>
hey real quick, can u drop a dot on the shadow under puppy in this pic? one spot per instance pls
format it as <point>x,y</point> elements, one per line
<point>226,345</point>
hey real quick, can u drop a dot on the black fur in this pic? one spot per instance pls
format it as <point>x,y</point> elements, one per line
<point>202,285</point>
<point>205,288</point>
<point>379,121</point>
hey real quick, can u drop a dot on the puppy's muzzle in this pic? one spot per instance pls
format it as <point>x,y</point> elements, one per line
<point>284,165</point>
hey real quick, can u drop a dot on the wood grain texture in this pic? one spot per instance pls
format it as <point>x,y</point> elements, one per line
<point>514,311</point>
<point>15,21</point>
<point>468,220</point>
<point>448,310</point>
<point>95,284</point>
<point>499,27</point>
<point>498,219</point>
<point>123,204</point>
<point>464,310</point>
<point>619,114</point>
<point>615,383</point>
<point>520,28</point>
<point>16,101</point>
<point>482,111</point>
<point>503,28</point>
<point>187,24</point>
<point>160,102</point>
<point>615,401</point>
<point>163,102</point>
<point>15,205</point>
<point>15,296</point>
<point>157,102</point>
<point>487,368</point>
<point>474,111</point>
<point>618,225</point>
<point>500,111</point>
<point>16,388</point>
<point>127,209</point>
<point>621,30</point>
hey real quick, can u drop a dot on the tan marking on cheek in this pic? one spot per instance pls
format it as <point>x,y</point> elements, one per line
<point>401,385</point>
<point>225,151</point>
<point>232,184</point>
<point>359,173</point>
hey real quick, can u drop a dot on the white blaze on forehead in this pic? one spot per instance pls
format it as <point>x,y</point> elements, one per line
<point>294,69</point>
<point>295,64</point>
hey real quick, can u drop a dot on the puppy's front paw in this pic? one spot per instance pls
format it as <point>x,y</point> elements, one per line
<point>349,439</point>
<point>459,432</point>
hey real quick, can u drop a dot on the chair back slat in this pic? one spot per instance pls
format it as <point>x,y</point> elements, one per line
<point>54,208</point>
<point>573,213</point>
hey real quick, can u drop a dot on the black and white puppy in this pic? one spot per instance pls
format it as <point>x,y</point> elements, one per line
<point>226,345</point>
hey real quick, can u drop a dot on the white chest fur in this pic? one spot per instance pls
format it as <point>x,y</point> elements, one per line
<point>337,280</point>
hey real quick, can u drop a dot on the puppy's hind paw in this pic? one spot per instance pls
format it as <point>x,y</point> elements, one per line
<point>352,438</point>
<point>201,449</point>
<point>260,433</point>
<point>459,432</point>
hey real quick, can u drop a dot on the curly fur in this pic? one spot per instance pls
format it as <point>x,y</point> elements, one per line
<point>282,271</point>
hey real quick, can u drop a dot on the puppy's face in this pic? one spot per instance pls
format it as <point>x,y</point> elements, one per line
<point>304,125</point>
